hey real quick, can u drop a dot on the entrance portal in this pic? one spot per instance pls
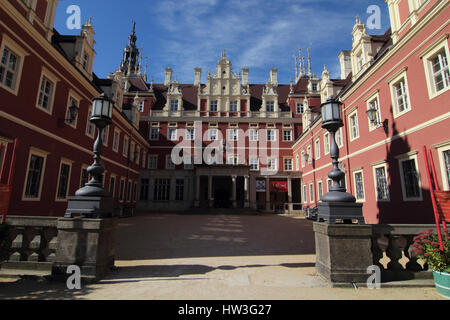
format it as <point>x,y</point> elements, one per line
<point>222,192</point>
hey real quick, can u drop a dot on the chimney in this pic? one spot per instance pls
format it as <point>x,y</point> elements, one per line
<point>274,76</point>
<point>197,76</point>
<point>245,76</point>
<point>346,63</point>
<point>168,78</point>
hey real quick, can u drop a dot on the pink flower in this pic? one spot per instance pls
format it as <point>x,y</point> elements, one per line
<point>427,254</point>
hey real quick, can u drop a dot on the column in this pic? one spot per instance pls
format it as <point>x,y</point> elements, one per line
<point>233,197</point>
<point>197,192</point>
<point>247,191</point>
<point>289,183</point>
<point>267,194</point>
<point>210,195</point>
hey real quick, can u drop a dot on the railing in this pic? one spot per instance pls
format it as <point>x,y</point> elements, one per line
<point>392,251</point>
<point>29,241</point>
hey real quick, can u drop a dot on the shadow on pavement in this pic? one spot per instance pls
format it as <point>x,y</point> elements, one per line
<point>165,236</point>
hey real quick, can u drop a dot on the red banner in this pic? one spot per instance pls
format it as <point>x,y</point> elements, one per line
<point>278,186</point>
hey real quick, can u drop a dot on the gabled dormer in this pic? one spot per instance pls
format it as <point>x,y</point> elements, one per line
<point>85,49</point>
<point>361,54</point>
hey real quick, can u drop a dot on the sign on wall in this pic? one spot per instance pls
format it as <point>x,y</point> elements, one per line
<point>260,185</point>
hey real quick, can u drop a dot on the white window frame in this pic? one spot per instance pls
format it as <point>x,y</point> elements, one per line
<point>285,167</point>
<point>441,44</point>
<point>105,136</point>
<point>326,143</point>
<point>174,103</point>
<point>214,103</point>
<point>234,102</point>
<point>317,149</point>
<point>290,135</point>
<point>232,134</point>
<point>272,137</point>
<point>363,186</point>
<point>169,164</point>
<point>402,159</point>
<point>392,84</point>
<point>303,158</point>
<point>272,104</point>
<point>311,193</point>
<point>150,159</point>
<point>116,140</point>
<point>213,134</point>
<point>320,190</point>
<point>441,150</point>
<point>125,146</point>
<point>121,196</point>
<point>339,133</point>
<point>22,54</point>
<point>254,161</point>
<point>253,135</point>
<point>374,168</point>
<point>370,101</point>
<point>39,153</point>
<point>305,193</point>
<point>169,136</point>
<point>68,163</point>
<point>113,192</point>
<point>189,136</point>
<point>54,80</point>
<point>350,125</point>
<point>151,136</point>
<point>309,153</point>
<point>297,106</point>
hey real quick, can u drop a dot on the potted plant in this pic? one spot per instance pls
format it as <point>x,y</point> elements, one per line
<point>426,247</point>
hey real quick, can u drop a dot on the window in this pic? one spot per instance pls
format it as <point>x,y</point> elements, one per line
<point>153,161</point>
<point>213,135</point>
<point>46,94</point>
<point>162,190</point>
<point>272,164</point>
<point>141,106</point>
<point>326,143</point>
<point>233,160</point>
<point>232,134</point>
<point>116,140</point>
<point>311,193</point>
<point>381,183</point>
<point>297,162</point>
<point>303,159</point>
<point>320,190</point>
<point>360,59</point>
<point>410,179</point>
<point>173,105</point>
<point>63,182</point>
<point>436,68</point>
<point>233,106</point>
<point>169,164</point>
<point>399,94</point>
<point>213,106</point>
<point>374,104</point>
<point>444,158</point>
<point>90,127</point>
<point>129,191</point>
<point>441,75</point>
<point>317,148</point>
<point>112,186</point>
<point>253,135</point>
<point>339,140</point>
<point>190,134</point>
<point>179,190</point>
<point>271,135</point>
<point>359,185</point>
<point>305,194</point>
<point>132,149</point>
<point>121,189</point>
<point>254,164</point>
<point>154,134</point>
<point>329,184</point>
<point>287,135</point>
<point>8,68</point>
<point>299,108</point>
<point>36,168</point>
<point>288,166</point>
<point>145,186</point>
<point>126,142</point>
<point>270,106</point>
<point>85,61</point>
<point>354,128</point>
<point>309,153</point>
<point>172,134</point>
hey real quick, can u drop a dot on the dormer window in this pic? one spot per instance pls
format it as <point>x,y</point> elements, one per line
<point>314,86</point>
<point>213,106</point>
<point>85,61</point>
<point>173,105</point>
<point>270,106</point>
<point>360,62</point>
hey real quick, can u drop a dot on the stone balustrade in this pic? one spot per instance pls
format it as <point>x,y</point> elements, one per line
<point>29,244</point>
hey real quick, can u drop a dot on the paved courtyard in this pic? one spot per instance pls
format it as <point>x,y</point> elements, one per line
<point>212,257</point>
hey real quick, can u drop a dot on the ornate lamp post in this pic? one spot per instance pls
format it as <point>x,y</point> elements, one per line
<point>93,200</point>
<point>337,203</point>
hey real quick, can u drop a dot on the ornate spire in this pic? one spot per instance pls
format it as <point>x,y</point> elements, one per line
<point>309,62</point>
<point>130,61</point>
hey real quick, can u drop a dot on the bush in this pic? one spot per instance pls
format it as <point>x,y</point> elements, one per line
<point>426,247</point>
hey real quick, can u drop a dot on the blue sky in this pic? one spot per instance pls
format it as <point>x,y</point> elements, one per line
<point>184,34</point>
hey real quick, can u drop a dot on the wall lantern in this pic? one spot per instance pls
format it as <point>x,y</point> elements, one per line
<point>372,114</point>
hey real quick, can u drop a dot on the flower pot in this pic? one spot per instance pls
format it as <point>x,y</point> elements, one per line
<point>442,283</point>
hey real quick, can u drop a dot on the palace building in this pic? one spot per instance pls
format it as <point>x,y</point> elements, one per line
<point>226,143</point>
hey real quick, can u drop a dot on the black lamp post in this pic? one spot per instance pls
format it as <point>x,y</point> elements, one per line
<point>337,203</point>
<point>93,200</point>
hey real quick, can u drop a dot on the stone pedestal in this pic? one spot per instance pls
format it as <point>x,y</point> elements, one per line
<point>332,211</point>
<point>343,252</point>
<point>90,207</point>
<point>87,243</point>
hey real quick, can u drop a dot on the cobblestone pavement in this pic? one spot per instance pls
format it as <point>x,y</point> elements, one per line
<point>210,257</point>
